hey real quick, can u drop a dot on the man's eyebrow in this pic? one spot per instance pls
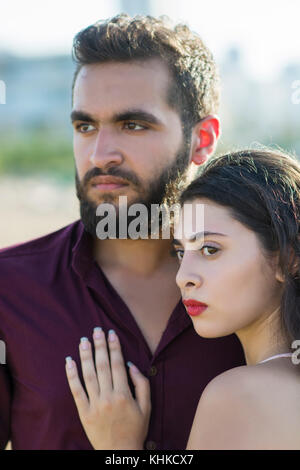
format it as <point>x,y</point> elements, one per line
<point>81,116</point>
<point>136,115</point>
<point>198,235</point>
<point>128,115</point>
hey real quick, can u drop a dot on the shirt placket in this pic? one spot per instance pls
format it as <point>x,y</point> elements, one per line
<point>119,312</point>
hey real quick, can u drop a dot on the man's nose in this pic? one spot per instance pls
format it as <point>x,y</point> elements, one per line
<point>188,276</point>
<point>105,152</point>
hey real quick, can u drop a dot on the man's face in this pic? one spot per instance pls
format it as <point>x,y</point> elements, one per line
<point>124,128</point>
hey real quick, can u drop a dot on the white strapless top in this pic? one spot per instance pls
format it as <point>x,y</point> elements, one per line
<point>274,357</point>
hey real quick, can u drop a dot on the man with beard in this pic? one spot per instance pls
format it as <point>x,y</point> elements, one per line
<point>145,96</point>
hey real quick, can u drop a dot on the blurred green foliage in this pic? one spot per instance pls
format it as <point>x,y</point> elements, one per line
<point>38,152</point>
<point>45,152</point>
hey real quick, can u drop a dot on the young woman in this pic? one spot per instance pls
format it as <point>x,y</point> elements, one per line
<point>240,274</point>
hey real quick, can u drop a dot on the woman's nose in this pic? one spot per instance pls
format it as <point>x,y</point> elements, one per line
<point>188,276</point>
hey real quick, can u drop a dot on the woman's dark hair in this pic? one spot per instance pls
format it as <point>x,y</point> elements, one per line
<point>261,188</point>
<point>194,91</point>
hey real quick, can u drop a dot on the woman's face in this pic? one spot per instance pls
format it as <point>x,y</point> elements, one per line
<point>224,269</point>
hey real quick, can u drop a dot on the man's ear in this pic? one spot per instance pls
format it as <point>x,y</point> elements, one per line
<point>206,134</point>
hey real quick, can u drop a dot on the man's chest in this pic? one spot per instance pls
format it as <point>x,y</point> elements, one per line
<point>150,302</point>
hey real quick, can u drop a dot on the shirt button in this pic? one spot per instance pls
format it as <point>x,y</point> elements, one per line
<point>150,445</point>
<point>152,371</point>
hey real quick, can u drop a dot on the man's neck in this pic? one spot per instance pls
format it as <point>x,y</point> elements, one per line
<point>142,257</point>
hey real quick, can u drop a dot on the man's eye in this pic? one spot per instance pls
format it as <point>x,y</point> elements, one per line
<point>133,126</point>
<point>84,128</point>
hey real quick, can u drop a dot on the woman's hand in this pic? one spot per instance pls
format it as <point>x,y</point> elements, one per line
<point>111,418</point>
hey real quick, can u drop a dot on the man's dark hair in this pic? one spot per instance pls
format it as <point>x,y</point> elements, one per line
<point>194,91</point>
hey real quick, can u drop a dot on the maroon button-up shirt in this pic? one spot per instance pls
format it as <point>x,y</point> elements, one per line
<point>52,292</point>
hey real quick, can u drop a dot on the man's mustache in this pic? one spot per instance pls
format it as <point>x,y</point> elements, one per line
<point>127,176</point>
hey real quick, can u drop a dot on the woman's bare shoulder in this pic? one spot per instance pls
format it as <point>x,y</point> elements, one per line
<point>235,382</point>
<point>258,379</point>
<point>229,377</point>
<point>261,385</point>
<point>238,407</point>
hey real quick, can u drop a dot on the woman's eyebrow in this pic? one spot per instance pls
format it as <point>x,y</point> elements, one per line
<point>176,242</point>
<point>198,235</point>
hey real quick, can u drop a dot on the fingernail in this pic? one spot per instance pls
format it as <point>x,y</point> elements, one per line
<point>98,332</point>
<point>112,335</point>
<point>84,343</point>
<point>132,366</point>
<point>69,362</point>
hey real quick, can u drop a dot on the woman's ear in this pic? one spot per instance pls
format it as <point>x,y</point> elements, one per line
<point>293,266</point>
<point>279,276</point>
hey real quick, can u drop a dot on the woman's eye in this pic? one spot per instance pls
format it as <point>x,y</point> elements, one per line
<point>84,128</point>
<point>133,126</point>
<point>209,250</point>
<point>176,253</point>
<point>180,254</point>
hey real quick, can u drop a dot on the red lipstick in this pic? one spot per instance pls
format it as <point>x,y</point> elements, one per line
<point>194,307</point>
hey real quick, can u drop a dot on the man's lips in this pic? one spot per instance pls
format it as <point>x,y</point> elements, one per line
<point>194,307</point>
<point>108,182</point>
<point>108,186</point>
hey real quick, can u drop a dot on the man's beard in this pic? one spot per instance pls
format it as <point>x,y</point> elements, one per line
<point>162,190</point>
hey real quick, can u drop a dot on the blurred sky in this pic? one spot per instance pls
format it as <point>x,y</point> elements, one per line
<point>267,31</point>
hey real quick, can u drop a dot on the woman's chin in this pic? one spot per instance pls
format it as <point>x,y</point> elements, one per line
<point>212,331</point>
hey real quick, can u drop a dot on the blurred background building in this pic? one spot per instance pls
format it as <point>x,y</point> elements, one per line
<point>257,49</point>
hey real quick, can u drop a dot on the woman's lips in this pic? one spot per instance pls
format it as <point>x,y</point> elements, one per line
<point>194,307</point>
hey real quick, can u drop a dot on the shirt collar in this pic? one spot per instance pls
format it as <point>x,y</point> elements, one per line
<point>83,263</point>
<point>82,252</point>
